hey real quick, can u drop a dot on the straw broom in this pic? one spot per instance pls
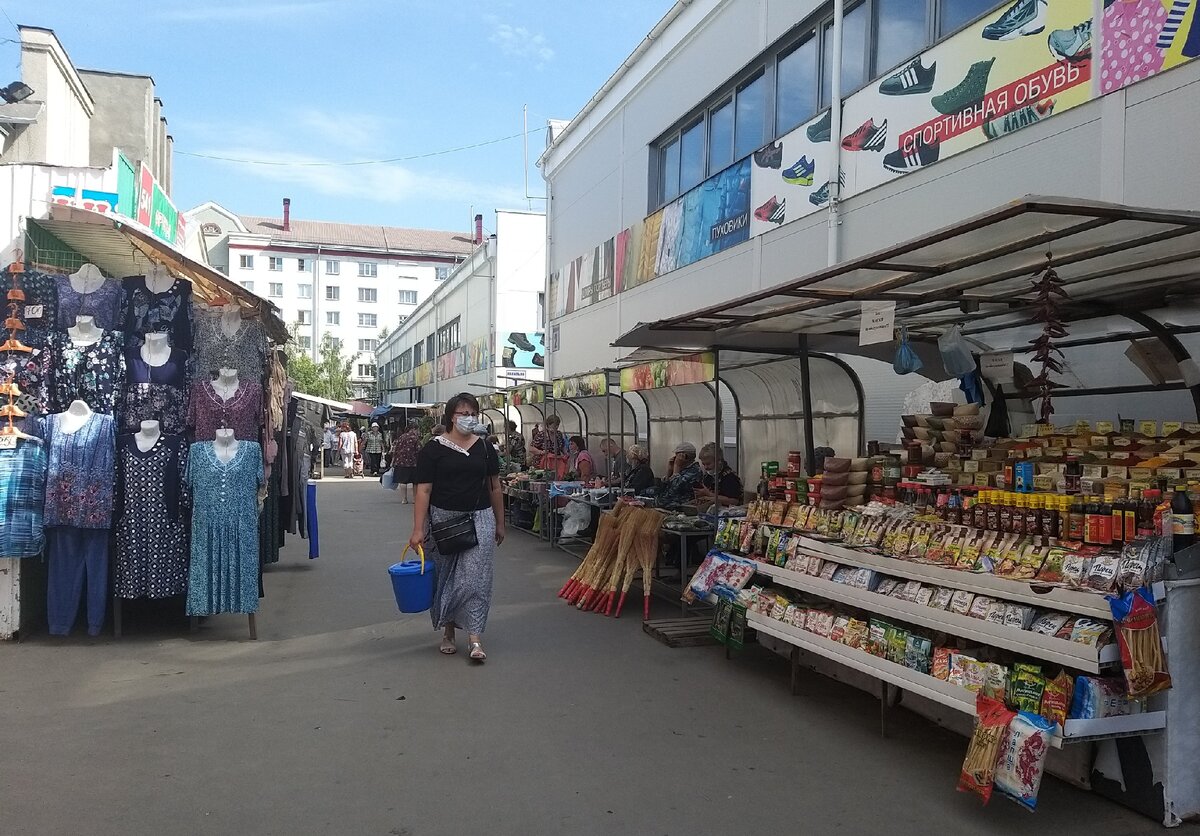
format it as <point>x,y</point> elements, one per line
<point>584,582</point>
<point>622,561</point>
<point>583,568</point>
<point>647,554</point>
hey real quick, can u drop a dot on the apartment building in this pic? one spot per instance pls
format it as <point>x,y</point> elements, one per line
<point>352,281</point>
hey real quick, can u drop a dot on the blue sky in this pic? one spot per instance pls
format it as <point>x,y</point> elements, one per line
<point>302,81</point>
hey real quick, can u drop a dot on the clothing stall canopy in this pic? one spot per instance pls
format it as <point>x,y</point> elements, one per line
<point>119,248</point>
<point>394,410</point>
<point>1130,274</point>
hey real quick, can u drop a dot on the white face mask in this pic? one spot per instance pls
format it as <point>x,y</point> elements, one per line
<point>466,423</point>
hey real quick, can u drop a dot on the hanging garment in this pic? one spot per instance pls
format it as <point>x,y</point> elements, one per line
<point>103,304</point>
<point>147,311</point>
<point>77,559</point>
<point>22,498</point>
<point>94,374</point>
<point>151,531</point>
<point>155,393</point>
<point>80,473</point>
<point>27,371</point>
<point>223,576</point>
<point>242,413</point>
<point>244,350</point>
<point>40,311</point>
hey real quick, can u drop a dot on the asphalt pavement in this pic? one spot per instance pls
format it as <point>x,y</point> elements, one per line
<point>344,719</point>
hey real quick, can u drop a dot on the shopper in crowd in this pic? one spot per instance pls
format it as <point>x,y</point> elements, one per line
<point>718,480</point>
<point>580,461</point>
<point>437,430</point>
<point>638,476</point>
<point>328,443</point>
<point>347,448</point>
<point>613,462</point>
<point>457,474</point>
<point>404,459</point>
<point>549,440</point>
<point>373,449</point>
<point>515,444</point>
<point>683,476</point>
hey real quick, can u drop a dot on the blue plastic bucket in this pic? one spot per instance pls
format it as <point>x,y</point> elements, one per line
<point>412,582</point>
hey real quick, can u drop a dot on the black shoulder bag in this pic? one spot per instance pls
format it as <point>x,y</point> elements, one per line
<point>457,534</point>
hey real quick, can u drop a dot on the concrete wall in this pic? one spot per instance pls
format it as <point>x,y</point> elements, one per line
<point>123,118</point>
<point>61,135</point>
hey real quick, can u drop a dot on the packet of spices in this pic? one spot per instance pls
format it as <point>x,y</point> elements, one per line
<point>897,645</point>
<point>877,638</point>
<point>995,682</point>
<point>719,629</point>
<point>1028,685</point>
<point>737,627</point>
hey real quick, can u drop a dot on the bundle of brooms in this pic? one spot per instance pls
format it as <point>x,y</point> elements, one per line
<point>626,542</point>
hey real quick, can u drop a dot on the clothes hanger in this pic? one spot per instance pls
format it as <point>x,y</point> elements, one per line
<point>18,264</point>
<point>11,411</point>
<point>13,344</point>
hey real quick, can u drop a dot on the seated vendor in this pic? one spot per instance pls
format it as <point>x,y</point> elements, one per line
<point>719,477</point>
<point>637,476</point>
<point>683,476</point>
<point>580,461</point>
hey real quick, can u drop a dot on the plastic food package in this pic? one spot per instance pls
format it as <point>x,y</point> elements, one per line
<point>995,612</point>
<point>897,644</point>
<point>1052,567</point>
<point>1049,623</point>
<point>828,569</point>
<point>1142,656</point>
<point>1075,569</point>
<point>961,602</point>
<point>942,596</point>
<point>1022,758</point>
<point>887,586</point>
<point>814,566</point>
<point>1056,698</point>
<point>941,663</point>
<point>1095,697</point>
<point>838,632</point>
<point>918,653</point>
<point>1102,573</point>
<point>912,589</point>
<point>1091,632</point>
<point>980,606</point>
<point>856,634</point>
<point>995,681</point>
<point>993,553</point>
<point>1018,616</point>
<point>1030,562</point>
<point>979,766</point>
<point>1026,688</point>
<point>877,638</point>
<point>924,596</point>
<point>973,547</point>
<point>919,543</point>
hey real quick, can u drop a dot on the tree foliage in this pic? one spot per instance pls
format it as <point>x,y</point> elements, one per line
<point>329,376</point>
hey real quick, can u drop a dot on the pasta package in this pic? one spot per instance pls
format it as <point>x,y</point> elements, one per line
<point>941,663</point>
<point>1022,758</point>
<point>1056,698</point>
<point>979,767</point>
<point>1142,657</point>
<point>1095,697</point>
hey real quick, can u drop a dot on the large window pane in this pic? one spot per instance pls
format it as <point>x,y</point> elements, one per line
<point>955,14</point>
<point>796,86</point>
<point>691,156</point>
<point>720,137</point>
<point>750,118</point>
<point>901,31</point>
<point>855,24</point>
<point>668,176</point>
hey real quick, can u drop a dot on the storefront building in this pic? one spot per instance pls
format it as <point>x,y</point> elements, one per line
<point>482,327</point>
<point>703,169</point>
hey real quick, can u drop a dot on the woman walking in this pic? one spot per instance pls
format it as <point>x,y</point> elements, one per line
<point>458,474</point>
<point>405,450</point>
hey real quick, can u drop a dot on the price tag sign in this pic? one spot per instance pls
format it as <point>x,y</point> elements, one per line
<point>1045,429</point>
<point>997,366</point>
<point>1093,471</point>
<point>1122,442</point>
<point>1168,473</point>
<point>1170,427</point>
<point>33,311</point>
<point>971,466</point>
<point>981,479</point>
<point>877,321</point>
<point>1043,483</point>
<point>1191,473</point>
<point>1104,426</point>
<point>8,442</point>
<point>1142,474</point>
<point>1148,428</point>
<point>979,455</point>
<point>1099,441</point>
<point>1029,430</point>
<point>1191,427</point>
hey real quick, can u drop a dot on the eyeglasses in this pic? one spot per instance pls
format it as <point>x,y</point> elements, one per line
<point>466,415</point>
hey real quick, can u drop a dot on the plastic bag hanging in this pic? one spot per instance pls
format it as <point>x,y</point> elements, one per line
<point>956,355</point>
<point>906,360</point>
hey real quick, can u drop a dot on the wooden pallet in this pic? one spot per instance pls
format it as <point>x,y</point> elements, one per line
<point>680,632</point>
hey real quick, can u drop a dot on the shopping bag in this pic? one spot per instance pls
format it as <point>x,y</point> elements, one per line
<point>388,480</point>
<point>956,354</point>
<point>906,360</point>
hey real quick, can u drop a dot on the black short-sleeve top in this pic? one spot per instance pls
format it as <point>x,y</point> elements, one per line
<point>458,478</point>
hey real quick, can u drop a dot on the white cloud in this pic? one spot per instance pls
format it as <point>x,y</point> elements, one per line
<point>519,42</point>
<point>247,11</point>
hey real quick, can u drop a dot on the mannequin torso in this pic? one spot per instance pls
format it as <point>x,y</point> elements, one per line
<point>225,446</point>
<point>226,384</point>
<point>87,279</point>
<point>156,351</point>
<point>148,436</point>
<point>84,331</point>
<point>231,320</point>
<point>159,279</point>
<point>76,416</point>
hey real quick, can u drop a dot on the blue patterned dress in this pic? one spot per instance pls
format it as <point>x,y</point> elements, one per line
<point>22,496</point>
<point>223,576</point>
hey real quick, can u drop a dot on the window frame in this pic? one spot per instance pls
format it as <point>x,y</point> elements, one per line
<point>368,344</point>
<point>333,318</point>
<point>272,287</point>
<point>245,262</point>
<point>448,337</point>
<point>404,301</point>
<point>304,290</point>
<point>441,272</point>
<point>372,292</point>
<point>372,320</point>
<point>333,267</point>
<point>368,270</point>
<point>302,265</point>
<point>418,356</point>
<point>333,293</point>
<point>275,263</point>
<point>304,341</point>
<point>302,317</point>
<point>247,284</point>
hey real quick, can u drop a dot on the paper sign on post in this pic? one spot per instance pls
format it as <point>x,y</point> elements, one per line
<point>997,366</point>
<point>877,320</point>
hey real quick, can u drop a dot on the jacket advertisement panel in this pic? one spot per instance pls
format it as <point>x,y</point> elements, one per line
<point>1145,37</point>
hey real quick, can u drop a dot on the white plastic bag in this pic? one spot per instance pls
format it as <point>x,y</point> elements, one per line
<point>956,354</point>
<point>576,518</point>
<point>388,480</point>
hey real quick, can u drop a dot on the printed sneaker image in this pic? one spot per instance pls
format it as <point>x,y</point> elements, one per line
<point>769,156</point>
<point>1025,17</point>
<point>968,92</point>
<point>772,211</point>
<point>909,79</point>
<point>1074,44</point>
<point>1020,118</point>
<point>918,156</point>
<point>821,196</point>
<point>800,174</point>
<point>819,131</point>
<point>868,137</point>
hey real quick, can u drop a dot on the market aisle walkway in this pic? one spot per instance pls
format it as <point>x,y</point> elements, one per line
<point>343,719</point>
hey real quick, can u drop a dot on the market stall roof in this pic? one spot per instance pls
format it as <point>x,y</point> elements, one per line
<point>387,408</point>
<point>1112,259</point>
<point>338,405</point>
<point>119,248</point>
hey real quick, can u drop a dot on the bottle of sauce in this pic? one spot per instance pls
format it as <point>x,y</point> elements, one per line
<point>1145,514</point>
<point>1090,530</point>
<point>1006,512</point>
<point>1033,516</point>
<point>1130,532</point>
<point>1018,514</point>
<point>1183,519</point>
<point>993,511</point>
<point>979,510</point>
<point>1104,522</point>
<point>1072,474</point>
<point>764,485</point>
<point>1118,521</point>
<point>1076,518</point>
<point>1056,512</point>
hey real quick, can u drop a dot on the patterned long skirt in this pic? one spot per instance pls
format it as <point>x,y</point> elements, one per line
<point>463,592</point>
